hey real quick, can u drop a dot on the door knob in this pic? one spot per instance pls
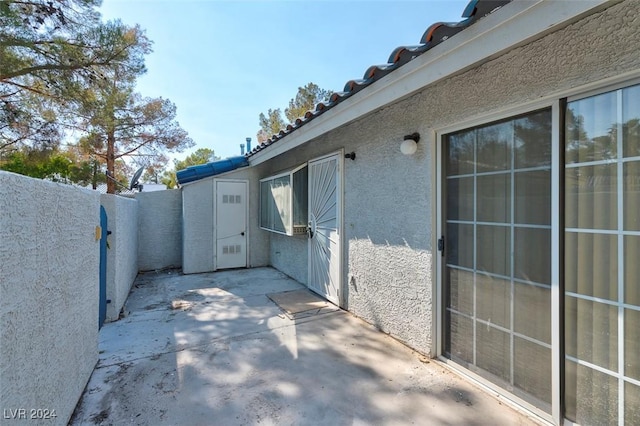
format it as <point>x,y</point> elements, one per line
<point>242,233</point>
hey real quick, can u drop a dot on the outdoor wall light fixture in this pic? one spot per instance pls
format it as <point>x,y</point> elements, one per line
<point>351,155</point>
<point>409,144</point>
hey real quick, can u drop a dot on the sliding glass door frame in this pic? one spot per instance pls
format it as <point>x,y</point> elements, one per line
<point>555,415</point>
<point>618,160</point>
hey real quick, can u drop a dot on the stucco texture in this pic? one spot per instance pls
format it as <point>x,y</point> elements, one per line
<point>198,216</point>
<point>389,211</point>
<point>159,230</point>
<point>49,285</point>
<point>290,255</point>
<point>386,230</point>
<point>122,254</point>
<point>600,46</point>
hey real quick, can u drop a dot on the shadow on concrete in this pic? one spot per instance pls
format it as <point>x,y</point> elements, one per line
<point>212,349</point>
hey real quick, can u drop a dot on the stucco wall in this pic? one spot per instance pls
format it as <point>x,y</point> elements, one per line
<point>597,47</point>
<point>159,229</point>
<point>386,230</point>
<point>388,201</point>
<point>49,282</point>
<point>122,255</point>
<point>290,255</point>
<point>199,219</point>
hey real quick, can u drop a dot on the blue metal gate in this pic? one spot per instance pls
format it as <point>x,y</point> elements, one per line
<point>102,313</point>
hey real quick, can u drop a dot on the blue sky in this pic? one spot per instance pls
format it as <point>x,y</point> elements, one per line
<point>224,62</point>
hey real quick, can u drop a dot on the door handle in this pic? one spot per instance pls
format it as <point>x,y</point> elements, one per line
<point>242,233</point>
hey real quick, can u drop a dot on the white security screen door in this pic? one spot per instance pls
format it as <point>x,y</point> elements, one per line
<point>231,224</point>
<point>324,227</point>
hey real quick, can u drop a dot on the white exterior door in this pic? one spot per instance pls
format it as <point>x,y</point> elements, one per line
<point>325,189</point>
<point>231,224</point>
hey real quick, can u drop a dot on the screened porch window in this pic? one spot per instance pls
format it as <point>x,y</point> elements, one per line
<point>283,202</point>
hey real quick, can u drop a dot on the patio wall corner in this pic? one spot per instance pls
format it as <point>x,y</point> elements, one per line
<point>122,254</point>
<point>48,294</point>
<point>159,229</point>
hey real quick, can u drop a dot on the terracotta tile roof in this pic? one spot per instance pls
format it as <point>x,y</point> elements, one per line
<point>434,35</point>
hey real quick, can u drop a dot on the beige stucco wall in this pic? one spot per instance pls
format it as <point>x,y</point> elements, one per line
<point>159,229</point>
<point>49,282</point>
<point>289,254</point>
<point>389,211</point>
<point>198,212</point>
<point>122,254</point>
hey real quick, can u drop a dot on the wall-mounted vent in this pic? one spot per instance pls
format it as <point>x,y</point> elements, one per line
<point>235,249</point>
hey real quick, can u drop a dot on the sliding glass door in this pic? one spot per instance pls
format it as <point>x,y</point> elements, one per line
<point>497,273</point>
<point>602,259</point>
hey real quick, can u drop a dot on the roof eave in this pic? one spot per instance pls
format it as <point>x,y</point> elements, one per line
<point>523,21</point>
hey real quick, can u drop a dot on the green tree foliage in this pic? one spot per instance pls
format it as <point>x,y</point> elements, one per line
<point>119,123</point>
<point>305,100</point>
<point>52,164</point>
<point>200,156</point>
<point>50,50</point>
<point>154,168</point>
<point>62,69</point>
<point>270,124</point>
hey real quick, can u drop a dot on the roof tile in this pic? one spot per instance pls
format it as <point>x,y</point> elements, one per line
<point>435,34</point>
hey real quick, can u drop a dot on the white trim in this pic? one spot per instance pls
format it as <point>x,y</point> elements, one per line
<point>611,232</point>
<point>621,256</point>
<point>279,175</point>
<point>436,259</point>
<point>214,204</point>
<point>498,115</point>
<point>289,173</point>
<point>603,301</point>
<point>512,25</point>
<point>499,172</point>
<point>341,246</point>
<point>603,162</point>
<point>598,87</point>
<point>605,86</point>
<point>556,360</point>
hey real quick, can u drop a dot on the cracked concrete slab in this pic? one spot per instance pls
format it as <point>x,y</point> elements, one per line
<point>213,349</point>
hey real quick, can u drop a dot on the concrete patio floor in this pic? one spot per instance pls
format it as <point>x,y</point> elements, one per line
<point>213,349</point>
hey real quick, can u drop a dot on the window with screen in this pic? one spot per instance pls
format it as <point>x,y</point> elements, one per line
<point>283,202</point>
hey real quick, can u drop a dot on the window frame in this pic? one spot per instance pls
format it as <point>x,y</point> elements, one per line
<point>291,228</point>
<point>505,114</point>
<point>557,100</point>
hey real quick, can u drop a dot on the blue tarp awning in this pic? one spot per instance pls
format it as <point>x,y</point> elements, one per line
<point>194,173</point>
